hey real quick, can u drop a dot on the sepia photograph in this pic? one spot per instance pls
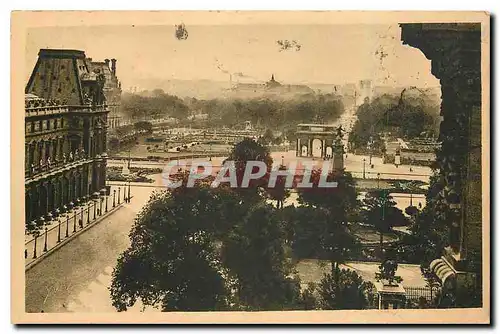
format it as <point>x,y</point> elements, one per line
<point>250,167</point>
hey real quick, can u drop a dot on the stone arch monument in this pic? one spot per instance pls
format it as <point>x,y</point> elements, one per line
<point>321,141</point>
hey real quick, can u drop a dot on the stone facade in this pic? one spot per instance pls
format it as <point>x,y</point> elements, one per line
<point>112,90</point>
<point>455,53</point>
<point>65,138</point>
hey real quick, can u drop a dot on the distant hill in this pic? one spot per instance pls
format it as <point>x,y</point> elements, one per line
<point>200,89</point>
<point>210,89</point>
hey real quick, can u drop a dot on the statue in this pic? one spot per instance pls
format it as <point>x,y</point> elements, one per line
<point>340,132</point>
<point>64,157</point>
<point>70,156</point>
<point>387,272</point>
<point>48,162</point>
<point>125,169</point>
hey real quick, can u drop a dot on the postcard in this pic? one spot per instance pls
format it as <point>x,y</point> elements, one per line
<point>252,167</point>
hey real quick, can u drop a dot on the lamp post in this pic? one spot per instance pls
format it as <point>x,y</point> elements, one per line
<point>119,189</point>
<point>129,191</point>
<point>81,217</point>
<point>364,172</point>
<point>59,232</point>
<point>107,197</point>
<point>88,213</point>
<point>67,225</point>
<point>74,222</point>
<point>45,245</point>
<point>371,149</point>
<point>381,228</point>
<point>114,198</point>
<point>95,207</point>
<point>378,180</point>
<point>34,248</point>
<point>100,207</point>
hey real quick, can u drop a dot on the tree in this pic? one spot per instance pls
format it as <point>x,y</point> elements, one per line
<point>379,210</point>
<point>279,192</point>
<point>172,261</point>
<point>243,152</point>
<point>429,231</point>
<point>308,298</point>
<point>263,279</point>
<point>267,137</point>
<point>346,292</point>
<point>340,204</point>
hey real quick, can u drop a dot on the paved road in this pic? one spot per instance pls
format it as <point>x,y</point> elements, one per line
<point>75,278</point>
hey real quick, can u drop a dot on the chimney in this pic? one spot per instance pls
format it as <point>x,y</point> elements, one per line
<point>113,66</point>
<point>107,62</point>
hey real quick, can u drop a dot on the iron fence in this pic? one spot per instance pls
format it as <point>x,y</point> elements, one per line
<point>68,224</point>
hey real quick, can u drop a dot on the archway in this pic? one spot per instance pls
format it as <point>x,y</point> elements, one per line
<point>317,148</point>
<point>304,151</point>
<point>329,151</point>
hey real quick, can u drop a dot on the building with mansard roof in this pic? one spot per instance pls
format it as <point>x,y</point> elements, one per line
<point>65,134</point>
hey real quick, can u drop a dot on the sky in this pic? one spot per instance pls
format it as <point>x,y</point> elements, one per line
<point>331,54</point>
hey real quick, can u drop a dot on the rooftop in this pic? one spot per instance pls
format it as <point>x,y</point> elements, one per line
<point>61,53</point>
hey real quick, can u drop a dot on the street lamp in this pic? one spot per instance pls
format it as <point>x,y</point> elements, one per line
<point>119,189</point>
<point>95,207</point>
<point>88,213</point>
<point>67,225</point>
<point>34,248</point>
<point>59,232</point>
<point>74,222</point>
<point>129,191</point>
<point>107,197</point>
<point>114,198</point>
<point>45,246</point>
<point>364,172</point>
<point>81,217</point>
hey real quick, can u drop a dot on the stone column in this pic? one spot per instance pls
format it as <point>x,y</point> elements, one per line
<point>26,157</point>
<point>35,152</point>
<point>27,204</point>
<point>35,202</point>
